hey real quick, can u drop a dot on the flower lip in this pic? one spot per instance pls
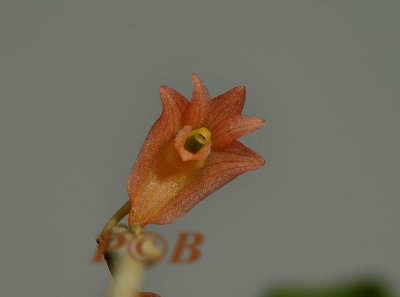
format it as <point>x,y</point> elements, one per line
<point>189,144</point>
<point>197,139</point>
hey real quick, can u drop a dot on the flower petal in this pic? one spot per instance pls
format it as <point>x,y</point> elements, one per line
<point>221,168</point>
<point>166,178</point>
<point>228,104</point>
<point>232,128</point>
<point>200,106</point>
<point>167,125</point>
<point>169,94</point>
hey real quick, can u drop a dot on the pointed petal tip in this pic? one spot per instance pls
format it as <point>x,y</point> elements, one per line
<point>254,123</point>
<point>261,161</point>
<point>233,128</point>
<point>198,84</point>
<point>241,89</point>
<point>239,148</point>
<point>196,80</point>
<point>262,122</point>
<point>257,162</point>
<point>164,90</point>
<point>226,105</point>
<point>164,87</point>
<point>171,96</point>
<point>200,105</point>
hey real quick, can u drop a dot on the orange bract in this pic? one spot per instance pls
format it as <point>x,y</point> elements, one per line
<point>190,152</point>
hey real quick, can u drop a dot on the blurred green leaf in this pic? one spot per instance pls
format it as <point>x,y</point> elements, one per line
<point>363,288</point>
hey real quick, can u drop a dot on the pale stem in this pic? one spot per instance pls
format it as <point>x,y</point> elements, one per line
<point>129,273</point>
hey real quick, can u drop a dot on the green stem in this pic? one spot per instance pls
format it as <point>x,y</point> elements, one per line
<point>118,216</point>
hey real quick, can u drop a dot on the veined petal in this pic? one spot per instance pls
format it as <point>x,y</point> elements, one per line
<point>221,168</point>
<point>200,106</point>
<point>226,105</point>
<point>169,94</point>
<point>163,130</point>
<point>232,128</point>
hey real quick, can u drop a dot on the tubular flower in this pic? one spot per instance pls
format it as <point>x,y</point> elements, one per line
<point>190,152</point>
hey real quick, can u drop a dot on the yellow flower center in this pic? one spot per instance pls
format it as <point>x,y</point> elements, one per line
<point>197,139</point>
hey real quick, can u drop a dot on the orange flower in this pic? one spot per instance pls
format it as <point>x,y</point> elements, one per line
<point>190,152</point>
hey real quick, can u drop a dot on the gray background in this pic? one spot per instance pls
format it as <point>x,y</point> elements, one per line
<point>79,92</point>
